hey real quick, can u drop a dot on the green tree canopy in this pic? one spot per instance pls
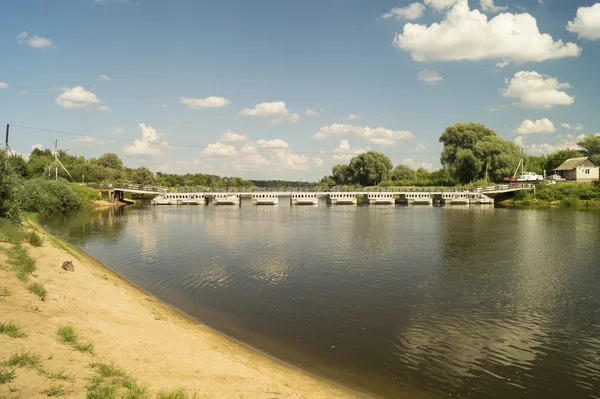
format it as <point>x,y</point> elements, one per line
<point>110,160</point>
<point>370,168</point>
<point>403,172</point>
<point>591,145</point>
<point>557,158</point>
<point>9,206</point>
<point>18,165</point>
<point>340,174</point>
<point>142,175</point>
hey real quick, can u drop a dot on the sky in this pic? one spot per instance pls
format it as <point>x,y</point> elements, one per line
<point>268,89</point>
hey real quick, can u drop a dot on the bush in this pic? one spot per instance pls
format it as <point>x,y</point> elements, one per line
<point>86,194</point>
<point>34,239</point>
<point>570,202</point>
<point>48,197</point>
<point>9,205</point>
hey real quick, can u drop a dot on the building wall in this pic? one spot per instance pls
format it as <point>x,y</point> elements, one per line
<point>581,175</point>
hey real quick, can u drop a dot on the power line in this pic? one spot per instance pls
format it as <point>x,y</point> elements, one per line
<point>203,147</point>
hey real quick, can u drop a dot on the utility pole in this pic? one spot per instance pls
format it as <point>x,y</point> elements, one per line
<point>56,159</point>
<point>7,148</point>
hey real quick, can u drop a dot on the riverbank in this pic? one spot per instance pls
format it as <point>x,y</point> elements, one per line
<point>114,336</point>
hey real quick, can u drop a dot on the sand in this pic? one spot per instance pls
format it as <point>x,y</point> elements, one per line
<point>158,346</point>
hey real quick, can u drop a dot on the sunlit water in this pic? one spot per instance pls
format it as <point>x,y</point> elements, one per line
<point>397,301</point>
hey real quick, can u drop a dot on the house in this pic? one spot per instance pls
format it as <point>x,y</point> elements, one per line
<point>579,169</point>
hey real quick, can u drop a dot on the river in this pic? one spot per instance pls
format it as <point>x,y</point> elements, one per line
<point>398,301</point>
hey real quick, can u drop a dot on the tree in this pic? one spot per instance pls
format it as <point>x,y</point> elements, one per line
<point>340,174</point>
<point>18,165</point>
<point>403,172</point>
<point>110,160</point>
<point>500,157</point>
<point>370,168</point>
<point>591,145</point>
<point>9,206</point>
<point>557,158</point>
<point>142,175</point>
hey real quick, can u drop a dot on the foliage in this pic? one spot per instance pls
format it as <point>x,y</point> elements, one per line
<point>472,152</point>
<point>7,376</point>
<point>591,145</point>
<point>565,191</point>
<point>571,201</point>
<point>37,289</point>
<point>12,330</point>
<point>204,180</point>
<point>55,375</point>
<point>142,175</point>
<point>34,239</point>
<point>18,165</point>
<point>403,172</point>
<point>110,160</point>
<point>57,390</point>
<point>10,231</point>
<point>48,197</point>
<point>370,168</point>
<point>341,174</point>
<point>175,394</point>
<point>86,194</point>
<point>557,158</point>
<point>67,335</point>
<point>22,359</point>
<point>22,263</point>
<point>9,205</point>
<point>277,183</point>
<point>112,382</point>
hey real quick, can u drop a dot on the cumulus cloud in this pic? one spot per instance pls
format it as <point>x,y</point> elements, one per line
<point>563,142</point>
<point>312,112</point>
<point>537,91</point>
<point>34,41</point>
<point>351,117</point>
<point>345,151</point>
<point>489,6</point>
<point>440,5</point>
<point>290,160</point>
<point>256,161</point>
<point>318,162</point>
<point>77,97</point>
<point>147,145</point>
<point>104,108</point>
<point>430,77</point>
<point>230,137</point>
<point>87,140</point>
<point>380,135</point>
<point>219,150</point>
<point>208,102</point>
<point>255,146</point>
<point>467,34</point>
<point>586,23</point>
<point>578,127</point>
<point>411,163</point>
<point>37,147</point>
<point>410,12</point>
<point>277,111</point>
<point>419,148</point>
<point>104,78</point>
<point>3,85</point>
<point>532,127</point>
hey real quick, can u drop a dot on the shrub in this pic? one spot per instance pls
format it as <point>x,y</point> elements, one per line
<point>34,238</point>
<point>86,194</point>
<point>9,204</point>
<point>570,202</point>
<point>48,196</point>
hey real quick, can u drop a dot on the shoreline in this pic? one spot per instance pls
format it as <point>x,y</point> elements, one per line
<point>158,344</point>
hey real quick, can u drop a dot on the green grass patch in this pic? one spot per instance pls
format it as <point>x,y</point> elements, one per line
<point>176,394</point>
<point>7,376</point>
<point>22,263</point>
<point>68,335</point>
<point>57,390</point>
<point>12,330</point>
<point>10,232</point>
<point>34,239</point>
<point>111,382</point>
<point>55,375</point>
<point>37,289</point>
<point>22,359</point>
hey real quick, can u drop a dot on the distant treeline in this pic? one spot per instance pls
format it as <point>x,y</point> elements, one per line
<point>282,183</point>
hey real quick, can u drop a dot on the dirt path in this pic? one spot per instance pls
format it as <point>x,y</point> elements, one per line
<point>157,346</point>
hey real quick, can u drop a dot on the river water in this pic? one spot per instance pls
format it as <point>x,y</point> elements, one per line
<point>397,301</point>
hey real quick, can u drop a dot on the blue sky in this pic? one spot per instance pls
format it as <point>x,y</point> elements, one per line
<point>382,75</point>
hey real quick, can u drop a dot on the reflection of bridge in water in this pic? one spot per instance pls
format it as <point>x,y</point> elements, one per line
<point>308,196</point>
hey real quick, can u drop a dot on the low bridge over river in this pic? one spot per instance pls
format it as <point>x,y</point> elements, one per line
<point>116,191</point>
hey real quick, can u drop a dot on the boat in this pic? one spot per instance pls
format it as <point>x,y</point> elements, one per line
<point>265,199</point>
<point>378,198</point>
<point>304,199</point>
<point>226,199</point>
<point>341,199</point>
<point>180,199</point>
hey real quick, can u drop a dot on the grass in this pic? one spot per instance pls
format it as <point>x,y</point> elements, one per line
<point>12,330</point>
<point>55,375</point>
<point>7,376</point>
<point>176,394</point>
<point>10,231</point>
<point>38,289</point>
<point>67,335</point>
<point>22,359</point>
<point>57,390</point>
<point>34,239</point>
<point>112,382</point>
<point>22,263</point>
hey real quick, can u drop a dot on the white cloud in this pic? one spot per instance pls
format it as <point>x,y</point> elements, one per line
<point>520,141</point>
<point>410,12</point>
<point>256,161</point>
<point>77,97</point>
<point>219,150</point>
<point>230,137</point>
<point>275,143</point>
<point>498,108</point>
<point>351,117</point>
<point>430,77</point>
<point>289,160</point>
<point>411,163</point>
<point>501,65</point>
<point>344,151</point>
<point>37,146</point>
<point>380,135</point>
<point>467,34</point>
<point>85,140</point>
<point>419,148</point>
<point>147,145</point>
<point>537,91</point>
<point>587,22</point>
<point>104,108</point>
<point>440,5</point>
<point>489,6</point>
<point>564,142</point>
<point>312,112</point>
<point>104,78</point>
<point>34,41</point>
<point>318,162</point>
<point>208,102</point>
<point>3,85</point>
<point>275,110</point>
<point>578,127</point>
<point>539,126</point>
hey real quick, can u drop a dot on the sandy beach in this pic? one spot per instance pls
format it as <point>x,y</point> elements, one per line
<point>154,344</point>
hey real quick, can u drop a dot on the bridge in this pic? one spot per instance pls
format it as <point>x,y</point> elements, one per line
<point>118,190</point>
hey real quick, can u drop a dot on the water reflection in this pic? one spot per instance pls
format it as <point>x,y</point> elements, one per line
<point>464,301</point>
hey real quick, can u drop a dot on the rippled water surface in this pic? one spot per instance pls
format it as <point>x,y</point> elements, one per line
<point>398,301</point>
